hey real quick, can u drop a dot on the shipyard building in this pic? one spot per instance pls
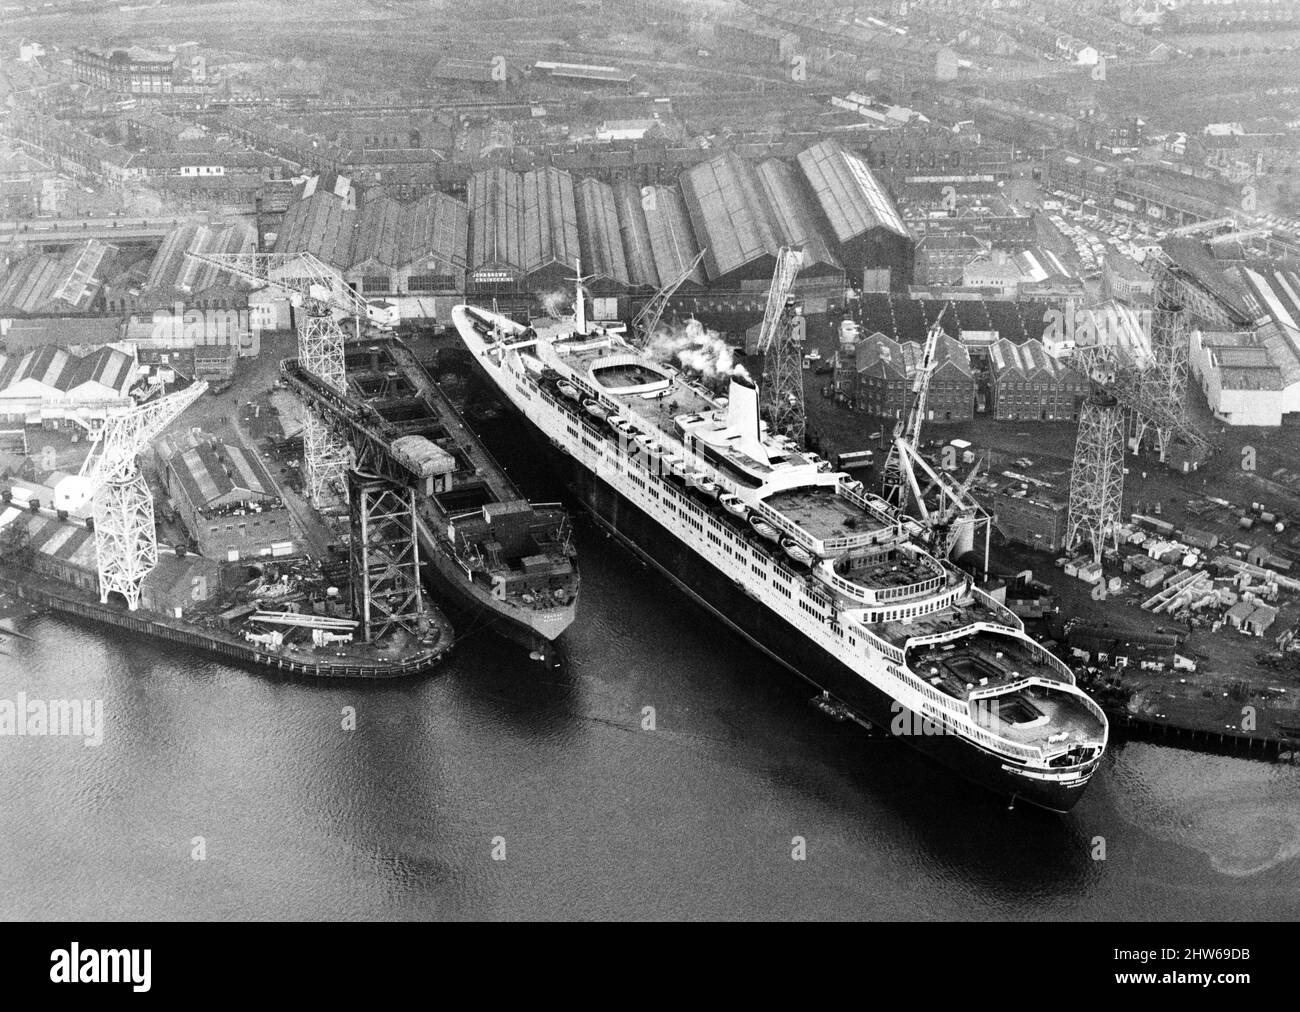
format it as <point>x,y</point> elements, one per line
<point>228,502</point>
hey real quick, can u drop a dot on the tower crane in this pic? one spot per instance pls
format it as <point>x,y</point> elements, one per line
<point>324,301</point>
<point>1118,387</point>
<point>782,392</point>
<point>647,320</point>
<point>126,540</point>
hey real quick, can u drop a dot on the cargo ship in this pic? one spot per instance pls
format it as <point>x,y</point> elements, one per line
<point>828,579</point>
<point>509,563</point>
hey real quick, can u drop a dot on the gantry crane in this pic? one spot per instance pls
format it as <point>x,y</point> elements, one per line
<point>645,322</point>
<point>126,540</point>
<point>323,301</point>
<point>781,401</point>
<point>1120,388</point>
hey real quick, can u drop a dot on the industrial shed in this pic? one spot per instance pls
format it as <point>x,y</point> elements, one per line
<point>796,222</point>
<point>226,499</point>
<point>732,220</point>
<point>50,383</point>
<point>496,248</point>
<point>874,243</point>
<point>673,245</point>
<point>174,277</point>
<point>56,283</point>
<point>635,234</point>
<point>603,258</point>
<point>321,224</point>
<point>550,224</point>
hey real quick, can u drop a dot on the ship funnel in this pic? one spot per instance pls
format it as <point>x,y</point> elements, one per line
<point>742,418</point>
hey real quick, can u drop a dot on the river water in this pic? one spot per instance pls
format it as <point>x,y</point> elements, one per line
<point>495,788</point>
<point>600,817</point>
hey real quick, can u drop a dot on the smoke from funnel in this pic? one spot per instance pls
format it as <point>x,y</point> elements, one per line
<point>696,349</point>
<point>556,304</point>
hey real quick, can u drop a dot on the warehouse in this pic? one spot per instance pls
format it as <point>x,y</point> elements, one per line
<point>551,249</point>
<point>415,250</point>
<point>321,224</point>
<point>226,499</point>
<point>604,263</point>
<point>61,551</point>
<point>635,234</point>
<point>796,222</point>
<point>1027,383</point>
<point>496,250</point>
<point>177,279</point>
<point>731,220</point>
<point>49,384</point>
<point>49,283</point>
<point>875,245</point>
<point>673,246</point>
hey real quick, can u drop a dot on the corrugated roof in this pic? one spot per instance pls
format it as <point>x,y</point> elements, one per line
<point>550,219</point>
<point>730,214</point>
<point>635,234</point>
<point>377,233</point>
<point>672,241</point>
<point>792,213</point>
<point>435,226</point>
<point>850,195</point>
<point>206,478</point>
<point>495,219</point>
<point>321,224</point>
<point>598,231</point>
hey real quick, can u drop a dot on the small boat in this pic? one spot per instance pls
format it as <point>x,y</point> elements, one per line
<point>733,505</point>
<point>621,425</point>
<point>568,389</point>
<point>595,408</point>
<point>703,483</point>
<point>797,552</point>
<point>764,529</point>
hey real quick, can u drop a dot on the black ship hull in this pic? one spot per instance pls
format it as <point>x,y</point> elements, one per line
<point>726,600</point>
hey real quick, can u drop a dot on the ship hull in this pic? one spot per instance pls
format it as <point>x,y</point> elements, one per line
<point>726,600</point>
<point>536,633</point>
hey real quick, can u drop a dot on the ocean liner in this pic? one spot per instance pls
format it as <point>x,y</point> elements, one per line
<point>827,578</point>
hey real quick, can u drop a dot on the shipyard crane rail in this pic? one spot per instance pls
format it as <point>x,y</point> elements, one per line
<point>647,320</point>
<point>126,538</point>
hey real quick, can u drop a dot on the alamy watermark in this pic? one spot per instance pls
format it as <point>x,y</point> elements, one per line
<point>65,718</point>
<point>180,327</point>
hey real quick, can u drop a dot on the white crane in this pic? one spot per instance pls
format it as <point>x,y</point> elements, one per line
<point>126,541</point>
<point>897,472</point>
<point>323,300</point>
<point>646,321</point>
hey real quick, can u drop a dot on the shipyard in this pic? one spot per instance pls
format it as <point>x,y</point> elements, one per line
<point>931,368</point>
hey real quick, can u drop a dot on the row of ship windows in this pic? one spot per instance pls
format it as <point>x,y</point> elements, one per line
<point>694,515</point>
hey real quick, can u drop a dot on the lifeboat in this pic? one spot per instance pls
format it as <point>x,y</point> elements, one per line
<point>703,483</point>
<point>733,505</point>
<point>796,552</point>
<point>568,389</point>
<point>596,409</point>
<point>764,529</point>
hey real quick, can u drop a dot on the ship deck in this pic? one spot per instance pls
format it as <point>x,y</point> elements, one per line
<point>823,513</point>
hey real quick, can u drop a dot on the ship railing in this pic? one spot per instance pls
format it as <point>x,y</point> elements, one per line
<point>869,595</point>
<point>1001,610</point>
